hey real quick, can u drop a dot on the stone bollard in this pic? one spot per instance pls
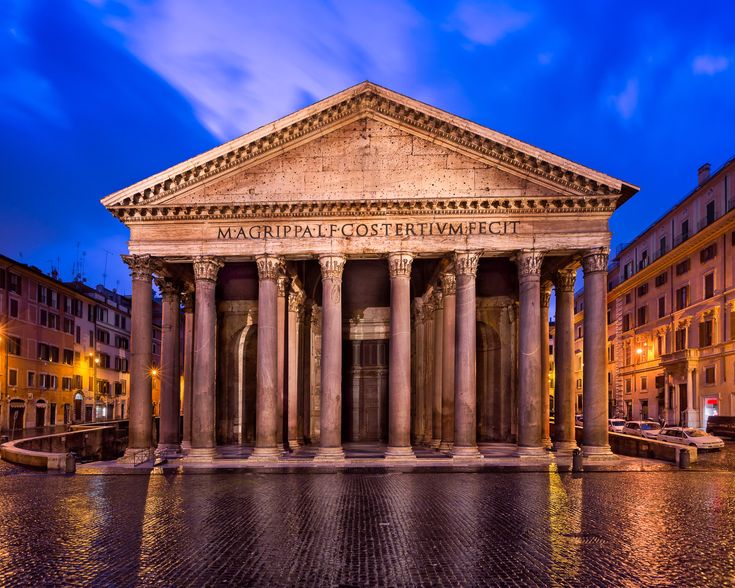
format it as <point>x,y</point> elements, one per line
<point>577,460</point>
<point>71,463</point>
<point>684,459</point>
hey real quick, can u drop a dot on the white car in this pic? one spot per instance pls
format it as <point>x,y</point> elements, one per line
<point>690,436</point>
<point>615,425</point>
<point>646,429</point>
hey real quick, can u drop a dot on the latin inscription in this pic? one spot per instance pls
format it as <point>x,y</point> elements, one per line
<point>351,230</point>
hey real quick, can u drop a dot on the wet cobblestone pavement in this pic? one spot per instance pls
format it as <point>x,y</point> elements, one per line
<point>670,528</point>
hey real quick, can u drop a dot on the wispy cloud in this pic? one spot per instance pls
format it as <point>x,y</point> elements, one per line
<point>626,101</point>
<point>487,23</point>
<point>241,69</point>
<point>710,65</point>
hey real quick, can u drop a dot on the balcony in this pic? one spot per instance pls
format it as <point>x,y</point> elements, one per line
<point>679,356</point>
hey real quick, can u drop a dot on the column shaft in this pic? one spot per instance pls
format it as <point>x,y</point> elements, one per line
<point>399,368</point>
<point>188,300</point>
<point>266,399</point>
<point>448,359</point>
<point>436,413</point>
<point>281,412</point>
<point>564,393</point>
<point>418,371</point>
<point>428,373</point>
<point>330,417</point>
<point>295,303</point>
<point>594,373</point>
<point>170,374</point>
<point>203,440</point>
<point>465,376</point>
<point>530,431</point>
<point>545,403</point>
<point>141,356</point>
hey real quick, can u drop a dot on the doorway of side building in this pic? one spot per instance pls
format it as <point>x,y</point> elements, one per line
<point>78,404</point>
<point>16,416</point>
<point>40,413</point>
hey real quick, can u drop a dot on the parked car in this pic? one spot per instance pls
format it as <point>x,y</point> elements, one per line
<point>721,426</point>
<point>690,436</point>
<point>615,425</point>
<point>647,429</point>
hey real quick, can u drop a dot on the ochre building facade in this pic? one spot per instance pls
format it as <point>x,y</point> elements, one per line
<point>368,269</point>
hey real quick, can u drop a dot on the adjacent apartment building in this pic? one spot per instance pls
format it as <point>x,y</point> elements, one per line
<point>64,350</point>
<point>671,311</point>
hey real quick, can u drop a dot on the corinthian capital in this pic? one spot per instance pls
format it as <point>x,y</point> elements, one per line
<point>206,268</point>
<point>449,284</point>
<point>332,266</point>
<point>141,266</point>
<point>282,282</point>
<point>565,279</point>
<point>465,263</point>
<point>187,298</point>
<point>529,263</point>
<point>269,266</point>
<point>168,287</point>
<point>295,301</point>
<point>399,264</point>
<point>545,294</point>
<point>437,299</point>
<point>595,260</point>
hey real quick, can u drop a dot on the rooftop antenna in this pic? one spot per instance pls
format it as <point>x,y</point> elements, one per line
<point>104,273</point>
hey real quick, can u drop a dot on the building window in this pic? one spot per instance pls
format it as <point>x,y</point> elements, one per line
<point>31,379</point>
<point>685,230</point>
<point>661,279</point>
<point>682,267</point>
<point>14,283</point>
<point>709,375</point>
<point>579,383</point>
<point>627,270</point>
<point>662,307</point>
<point>705,333</point>
<point>643,262</point>
<point>710,213</point>
<point>12,377</point>
<point>626,322</point>
<point>610,353</point>
<point>13,308</point>
<point>78,381</point>
<point>708,253</point>
<point>642,315</point>
<point>680,341</point>
<point>13,346</point>
<point>662,246</point>
<point>66,383</point>
<point>644,383</point>
<point>709,285</point>
<point>643,289</point>
<point>628,386</point>
<point>628,298</point>
<point>660,345</point>
<point>682,297</point>
<point>69,356</point>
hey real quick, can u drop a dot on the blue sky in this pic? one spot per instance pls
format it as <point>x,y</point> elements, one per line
<point>95,95</point>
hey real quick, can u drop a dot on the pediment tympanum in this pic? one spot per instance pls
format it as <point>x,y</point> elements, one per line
<point>369,145</point>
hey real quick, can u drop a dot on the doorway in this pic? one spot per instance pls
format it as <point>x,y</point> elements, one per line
<point>365,399</point>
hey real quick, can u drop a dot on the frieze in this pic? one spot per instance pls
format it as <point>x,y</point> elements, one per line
<point>366,101</point>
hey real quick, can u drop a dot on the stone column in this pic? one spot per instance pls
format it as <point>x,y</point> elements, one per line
<point>594,374</point>
<point>203,440</point>
<point>266,400</point>
<point>436,413</point>
<point>545,404</point>
<point>330,418</point>
<point>530,431</point>
<point>692,418</point>
<point>448,359</point>
<point>295,306</point>
<point>465,375</point>
<point>188,302</point>
<point>168,439</point>
<point>564,392</point>
<point>140,411</point>
<point>419,369</point>
<point>428,374</point>
<point>281,356</point>
<point>399,368</point>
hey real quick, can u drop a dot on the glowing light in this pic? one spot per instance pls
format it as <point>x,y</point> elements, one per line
<point>639,351</point>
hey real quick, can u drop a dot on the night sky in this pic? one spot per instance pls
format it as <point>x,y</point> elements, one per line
<point>97,95</point>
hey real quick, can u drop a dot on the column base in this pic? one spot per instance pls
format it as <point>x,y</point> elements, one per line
<point>267,454</point>
<point>294,444</point>
<point>445,446</point>
<point>201,454</point>
<point>328,454</point>
<point>135,456</point>
<point>435,443</point>
<point>564,447</point>
<point>185,447</point>
<point>598,453</point>
<point>466,452</point>
<point>281,447</point>
<point>538,452</point>
<point>399,453</point>
<point>546,442</point>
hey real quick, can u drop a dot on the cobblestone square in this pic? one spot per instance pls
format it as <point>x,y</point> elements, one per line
<point>389,529</point>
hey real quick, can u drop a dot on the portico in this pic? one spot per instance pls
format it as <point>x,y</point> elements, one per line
<point>369,268</point>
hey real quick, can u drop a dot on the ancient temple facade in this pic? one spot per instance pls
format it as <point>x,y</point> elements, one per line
<point>368,269</point>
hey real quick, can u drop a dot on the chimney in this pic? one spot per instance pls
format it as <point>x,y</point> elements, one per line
<point>703,173</point>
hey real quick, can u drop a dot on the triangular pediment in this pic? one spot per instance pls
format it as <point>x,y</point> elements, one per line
<point>367,143</point>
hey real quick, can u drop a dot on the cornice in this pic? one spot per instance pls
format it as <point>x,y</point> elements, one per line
<point>369,100</point>
<point>398,206</point>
